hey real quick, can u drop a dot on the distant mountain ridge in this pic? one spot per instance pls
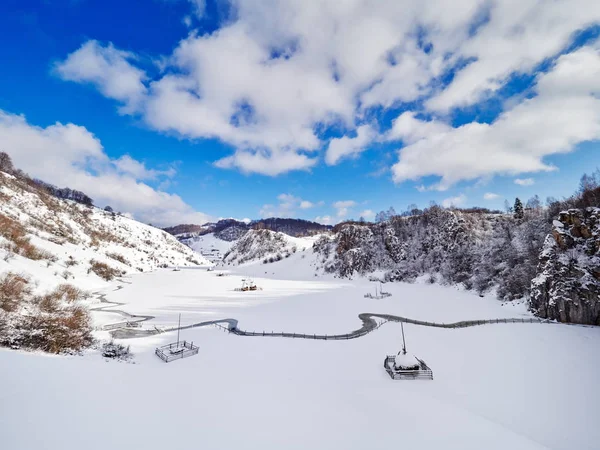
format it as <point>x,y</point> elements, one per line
<point>231,229</point>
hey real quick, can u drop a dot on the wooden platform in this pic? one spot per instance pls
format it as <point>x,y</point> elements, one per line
<point>176,350</point>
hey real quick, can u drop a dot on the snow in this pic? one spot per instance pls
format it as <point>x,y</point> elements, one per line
<point>401,361</point>
<point>74,235</point>
<point>525,386</point>
<point>208,243</point>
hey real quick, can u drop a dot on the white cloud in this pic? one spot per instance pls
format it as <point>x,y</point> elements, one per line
<point>457,201</point>
<point>490,196</point>
<point>69,155</point>
<point>325,220</point>
<point>279,72</point>
<point>346,147</point>
<point>109,69</point>
<point>367,214</point>
<point>525,181</point>
<point>409,129</point>
<point>127,165</point>
<point>198,7</point>
<point>565,112</point>
<point>517,37</point>
<point>286,207</point>
<point>343,207</point>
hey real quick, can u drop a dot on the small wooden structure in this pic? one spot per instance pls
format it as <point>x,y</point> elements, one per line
<point>248,285</point>
<point>406,367</point>
<point>176,350</point>
<point>379,295</point>
<point>418,371</point>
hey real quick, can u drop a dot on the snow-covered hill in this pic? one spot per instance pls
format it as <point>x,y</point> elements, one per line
<point>54,241</point>
<point>266,246</point>
<point>209,246</point>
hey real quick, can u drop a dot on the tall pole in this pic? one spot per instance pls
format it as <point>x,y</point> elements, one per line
<point>179,326</point>
<point>403,341</point>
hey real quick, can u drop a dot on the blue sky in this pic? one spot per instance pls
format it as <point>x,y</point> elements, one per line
<point>184,111</point>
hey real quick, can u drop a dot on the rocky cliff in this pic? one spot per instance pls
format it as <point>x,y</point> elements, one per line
<point>567,285</point>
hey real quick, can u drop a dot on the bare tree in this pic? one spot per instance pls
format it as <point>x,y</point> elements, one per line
<point>6,164</point>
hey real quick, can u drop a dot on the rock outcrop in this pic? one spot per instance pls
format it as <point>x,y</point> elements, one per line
<point>567,285</point>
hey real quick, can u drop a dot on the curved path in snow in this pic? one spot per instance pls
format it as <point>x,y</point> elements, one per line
<point>368,320</point>
<point>133,318</point>
<point>124,330</point>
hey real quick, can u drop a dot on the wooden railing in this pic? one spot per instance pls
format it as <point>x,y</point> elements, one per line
<point>182,350</point>
<point>424,372</point>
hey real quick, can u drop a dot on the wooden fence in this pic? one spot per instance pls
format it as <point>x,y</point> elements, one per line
<point>177,350</point>
<point>424,372</point>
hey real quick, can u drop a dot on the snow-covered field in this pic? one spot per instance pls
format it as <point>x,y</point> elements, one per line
<point>210,246</point>
<point>520,386</point>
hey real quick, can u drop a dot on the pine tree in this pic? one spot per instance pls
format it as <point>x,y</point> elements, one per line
<point>518,209</point>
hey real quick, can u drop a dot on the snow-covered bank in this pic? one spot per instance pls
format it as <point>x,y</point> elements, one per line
<point>496,387</point>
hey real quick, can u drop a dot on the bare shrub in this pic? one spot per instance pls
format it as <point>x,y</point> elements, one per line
<point>48,303</point>
<point>102,235</point>
<point>71,262</point>
<point>52,322</point>
<point>9,253</point>
<point>103,270</point>
<point>16,233</point>
<point>66,330</point>
<point>14,289</point>
<point>117,351</point>
<point>118,257</point>
<point>69,293</point>
<point>56,240</point>
<point>66,275</point>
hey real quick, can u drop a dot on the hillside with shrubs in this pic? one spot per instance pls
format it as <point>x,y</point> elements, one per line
<point>56,248</point>
<point>265,246</point>
<point>547,254</point>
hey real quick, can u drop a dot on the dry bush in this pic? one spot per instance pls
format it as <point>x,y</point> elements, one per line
<point>11,229</point>
<point>102,235</point>
<point>70,293</point>
<point>28,250</point>
<point>116,351</point>
<point>16,233</point>
<point>14,289</point>
<point>118,257</point>
<point>48,303</point>
<point>52,322</point>
<point>56,240</point>
<point>71,262</point>
<point>103,270</point>
<point>66,330</point>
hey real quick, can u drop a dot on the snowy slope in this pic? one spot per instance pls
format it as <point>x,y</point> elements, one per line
<point>209,246</point>
<point>496,386</point>
<point>266,246</point>
<point>67,237</point>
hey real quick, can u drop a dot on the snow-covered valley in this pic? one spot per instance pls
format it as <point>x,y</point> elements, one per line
<point>496,386</point>
<point>526,385</point>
